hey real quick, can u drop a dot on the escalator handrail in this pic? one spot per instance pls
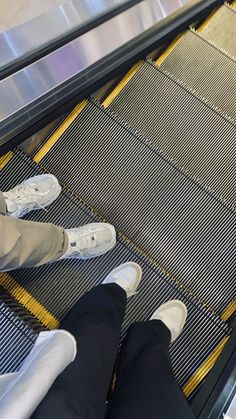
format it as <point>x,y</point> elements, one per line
<point>7,68</point>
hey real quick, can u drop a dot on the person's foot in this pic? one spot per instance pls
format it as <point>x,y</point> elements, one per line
<point>127,276</point>
<point>90,241</point>
<point>34,193</point>
<point>173,314</point>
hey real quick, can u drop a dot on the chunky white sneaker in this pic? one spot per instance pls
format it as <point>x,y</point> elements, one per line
<point>127,276</point>
<point>90,241</point>
<point>32,194</point>
<point>173,314</point>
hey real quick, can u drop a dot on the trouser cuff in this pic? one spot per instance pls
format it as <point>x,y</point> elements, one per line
<point>3,206</point>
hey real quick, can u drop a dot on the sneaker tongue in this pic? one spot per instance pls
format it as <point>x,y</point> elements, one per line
<point>86,242</point>
<point>102,237</point>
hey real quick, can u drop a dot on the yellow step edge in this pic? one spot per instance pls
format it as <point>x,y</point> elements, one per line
<point>203,370</point>
<point>233,4</point>
<point>59,131</point>
<point>208,19</point>
<point>5,159</point>
<point>109,99</point>
<point>229,311</point>
<point>49,321</point>
<point>169,49</point>
<point>28,301</point>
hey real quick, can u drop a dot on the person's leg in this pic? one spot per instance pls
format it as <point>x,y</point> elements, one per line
<point>27,244</point>
<point>95,321</point>
<point>146,387</point>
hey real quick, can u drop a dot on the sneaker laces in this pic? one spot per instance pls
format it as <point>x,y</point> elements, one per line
<point>22,193</point>
<point>83,242</point>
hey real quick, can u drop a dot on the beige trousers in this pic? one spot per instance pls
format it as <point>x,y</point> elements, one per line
<point>27,243</point>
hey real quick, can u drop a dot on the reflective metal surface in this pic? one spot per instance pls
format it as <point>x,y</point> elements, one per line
<point>40,31</point>
<point>231,413</point>
<point>23,87</point>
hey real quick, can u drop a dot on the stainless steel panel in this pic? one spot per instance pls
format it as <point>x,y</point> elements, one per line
<point>34,81</point>
<point>231,413</point>
<point>43,29</point>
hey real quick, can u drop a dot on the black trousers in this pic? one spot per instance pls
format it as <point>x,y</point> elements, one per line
<point>145,386</point>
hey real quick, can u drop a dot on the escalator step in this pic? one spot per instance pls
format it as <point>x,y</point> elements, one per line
<point>58,286</point>
<point>186,129</point>
<point>132,185</point>
<point>207,70</point>
<point>16,338</point>
<point>220,30</point>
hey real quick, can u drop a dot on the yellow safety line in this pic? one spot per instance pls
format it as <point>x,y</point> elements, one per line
<point>5,159</point>
<point>203,370</point>
<point>233,4</point>
<point>49,321</point>
<point>28,301</point>
<point>229,311</point>
<point>122,84</point>
<point>207,20</point>
<point>169,49</point>
<point>59,131</point>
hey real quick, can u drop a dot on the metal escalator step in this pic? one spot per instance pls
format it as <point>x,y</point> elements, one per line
<point>205,69</point>
<point>220,30</point>
<point>184,128</point>
<point>59,285</point>
<point>16,337</point>
<point>133,186</point>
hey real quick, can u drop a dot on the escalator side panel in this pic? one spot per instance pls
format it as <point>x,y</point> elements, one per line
<point>132,185</point>
<point>205,69</point>
<point>58,286</point>
<point>187,130</point>
<point>220,30</point>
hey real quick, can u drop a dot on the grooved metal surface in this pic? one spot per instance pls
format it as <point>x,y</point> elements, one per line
<point>16,340</point>
<point>200,140</point>
<point>204,68</point>
<point>220,30</point>
<point>59,285</point>
<point>171,218</point>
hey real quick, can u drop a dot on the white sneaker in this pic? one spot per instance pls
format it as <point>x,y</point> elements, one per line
<point>127,276</point>
<point>173,314</point>
<point>32,194</point>
<point>90,241</point>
